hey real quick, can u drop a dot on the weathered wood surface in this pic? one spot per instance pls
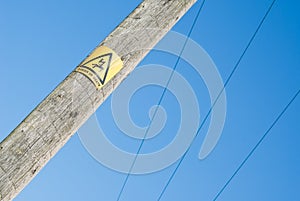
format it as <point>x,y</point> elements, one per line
<point>49,126</point>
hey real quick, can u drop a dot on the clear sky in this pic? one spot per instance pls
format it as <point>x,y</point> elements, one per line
<point>42,42</point>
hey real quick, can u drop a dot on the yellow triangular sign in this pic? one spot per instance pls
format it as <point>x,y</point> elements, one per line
<point>99,66</point>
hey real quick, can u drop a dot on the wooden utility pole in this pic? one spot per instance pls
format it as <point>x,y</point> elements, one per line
<point>50,125</point>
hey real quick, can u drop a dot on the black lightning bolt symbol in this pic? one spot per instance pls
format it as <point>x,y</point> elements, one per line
<point>100,64</point>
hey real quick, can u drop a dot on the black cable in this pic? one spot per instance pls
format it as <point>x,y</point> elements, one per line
<point>226,83</point>
<point>257,145</point>
<point>160,100</point>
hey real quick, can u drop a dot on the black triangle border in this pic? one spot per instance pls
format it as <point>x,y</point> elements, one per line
<point>106,72</point>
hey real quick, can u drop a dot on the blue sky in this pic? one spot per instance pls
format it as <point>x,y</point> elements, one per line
<point>42,42</point>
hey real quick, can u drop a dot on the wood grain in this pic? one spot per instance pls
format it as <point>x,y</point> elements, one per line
<point>50,125</point>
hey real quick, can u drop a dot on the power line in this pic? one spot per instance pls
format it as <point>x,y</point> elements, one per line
<point>161,98</point>
<point>257,145</point>
<point>226,83</point>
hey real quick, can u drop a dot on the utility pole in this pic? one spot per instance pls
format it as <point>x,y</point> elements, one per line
<point>51,124</point>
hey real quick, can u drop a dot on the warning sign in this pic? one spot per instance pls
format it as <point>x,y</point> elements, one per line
<point>101,66</point>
